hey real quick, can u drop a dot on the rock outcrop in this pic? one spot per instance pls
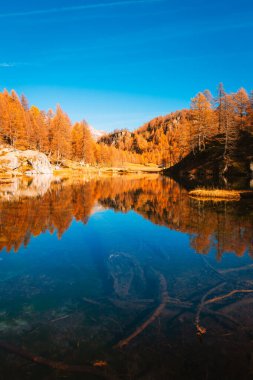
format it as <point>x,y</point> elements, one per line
<point>17,162</point>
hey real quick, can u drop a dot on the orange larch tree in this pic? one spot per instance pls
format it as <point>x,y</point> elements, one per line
<point>201,121</point>
<point>60,135</point>
<point>241,107</point>
<point>82,143</point>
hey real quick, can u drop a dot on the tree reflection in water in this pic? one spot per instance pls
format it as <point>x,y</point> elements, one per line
<point>30,208</point>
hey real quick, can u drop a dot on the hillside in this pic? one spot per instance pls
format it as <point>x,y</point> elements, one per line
<point>209,167</point>
<point>209,144</point>
<point>162,140</point>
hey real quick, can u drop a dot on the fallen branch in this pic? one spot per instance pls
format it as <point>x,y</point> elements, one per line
<point>179,303</point>
<point>200,329</point>
<point>152,318</point>
<point>51,363</point>
<point>247,267</point>
<point>60,318</point>
<point>88,300</point>
<point>219,298</point>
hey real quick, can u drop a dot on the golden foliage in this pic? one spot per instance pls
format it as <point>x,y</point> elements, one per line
<point>164,140</point>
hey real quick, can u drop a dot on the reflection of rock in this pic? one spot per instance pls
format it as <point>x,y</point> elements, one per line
<point>19,162</point>
<point>41,183</point>
<point>18,187</point>
<point>123,270</point>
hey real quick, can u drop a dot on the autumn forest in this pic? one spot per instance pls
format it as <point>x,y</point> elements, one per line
<point>164,140</point>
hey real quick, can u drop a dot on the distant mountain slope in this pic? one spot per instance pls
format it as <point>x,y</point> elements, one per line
<point>163,140</point>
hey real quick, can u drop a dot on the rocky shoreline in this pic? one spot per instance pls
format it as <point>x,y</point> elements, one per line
<point>18,163</point>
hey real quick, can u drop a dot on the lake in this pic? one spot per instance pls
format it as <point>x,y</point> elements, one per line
<point>123,278</point>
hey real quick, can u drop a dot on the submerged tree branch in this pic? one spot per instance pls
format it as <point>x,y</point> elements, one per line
<point>51,363</point>
<point>200,329</point>
<point>152,318</point>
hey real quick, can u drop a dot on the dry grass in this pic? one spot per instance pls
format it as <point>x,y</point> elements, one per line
<point>72,168</point>
<point>143,168</point>
<point>217,194</point>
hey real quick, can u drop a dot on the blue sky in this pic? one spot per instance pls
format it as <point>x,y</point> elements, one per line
<point>119,63</point>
